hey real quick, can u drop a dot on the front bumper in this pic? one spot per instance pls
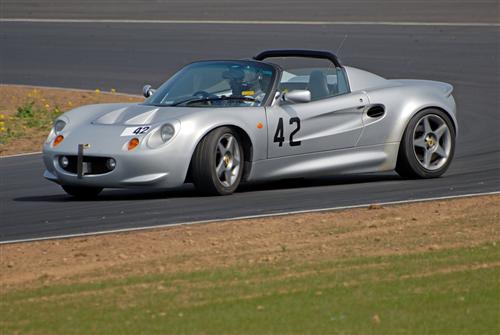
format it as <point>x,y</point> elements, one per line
<point>164,167</point>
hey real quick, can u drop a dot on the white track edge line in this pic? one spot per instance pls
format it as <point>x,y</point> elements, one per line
<point>23,154</point>
<point>258,216</point>
<point>256,22</point>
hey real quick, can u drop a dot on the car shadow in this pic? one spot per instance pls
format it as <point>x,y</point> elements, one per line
<point>318,182</point>
<point>188,190</point>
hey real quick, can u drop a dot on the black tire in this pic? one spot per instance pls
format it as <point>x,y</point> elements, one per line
<point>408,165</point>
<point>82,192</point>
<point>204,164</point>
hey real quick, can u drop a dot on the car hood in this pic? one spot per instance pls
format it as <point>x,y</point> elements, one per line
<point>138,114</point>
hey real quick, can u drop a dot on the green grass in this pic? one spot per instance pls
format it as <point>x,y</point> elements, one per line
<point>29,117</point>
<point>438,292</point>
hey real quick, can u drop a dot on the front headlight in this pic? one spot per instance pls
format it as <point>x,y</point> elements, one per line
<point>59,126</point>
<point>167,132</point>
<point>163,134</point>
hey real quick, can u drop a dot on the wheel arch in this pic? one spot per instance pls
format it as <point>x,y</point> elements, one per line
<point>246,143</point>
<point>404,166</point>
<point>422,108</point>
<point>441,108</point>
<point>410,111</point>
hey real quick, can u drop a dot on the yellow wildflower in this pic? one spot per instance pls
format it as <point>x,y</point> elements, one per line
<point>113,90</point>
<point>2,124</point>
<point>2,116</point>
<point>97,91</point>
<point>2,129</point>
<point>47,106</point>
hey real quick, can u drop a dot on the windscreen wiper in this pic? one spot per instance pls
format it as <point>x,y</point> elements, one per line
<point>222,98</point>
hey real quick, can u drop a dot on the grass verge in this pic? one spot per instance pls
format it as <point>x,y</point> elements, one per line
<point>382,270</point>
<point>27,113</point>
<point>442,292</point>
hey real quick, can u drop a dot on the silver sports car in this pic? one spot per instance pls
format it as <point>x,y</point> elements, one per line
<point>218,123</point>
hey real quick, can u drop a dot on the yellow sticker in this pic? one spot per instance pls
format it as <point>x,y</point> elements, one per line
<point>247,92</point>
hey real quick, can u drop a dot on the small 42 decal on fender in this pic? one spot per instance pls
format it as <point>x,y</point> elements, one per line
<point>130,131</point>
<point>279,135</point>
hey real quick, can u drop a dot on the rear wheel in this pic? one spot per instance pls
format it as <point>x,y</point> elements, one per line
<point>428,145</point>
<point>82,192</point>
<point>217,164</point>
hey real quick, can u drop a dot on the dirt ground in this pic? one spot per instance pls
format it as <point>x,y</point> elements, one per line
<point>31,139</point>
<point>303,238</point>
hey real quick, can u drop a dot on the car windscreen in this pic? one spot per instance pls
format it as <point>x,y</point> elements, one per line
<point>217,84</point>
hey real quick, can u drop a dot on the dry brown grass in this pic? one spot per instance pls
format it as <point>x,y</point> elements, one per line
<point>21,135</point>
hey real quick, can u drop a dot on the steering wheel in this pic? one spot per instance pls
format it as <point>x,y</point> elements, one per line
<point>203,94</point>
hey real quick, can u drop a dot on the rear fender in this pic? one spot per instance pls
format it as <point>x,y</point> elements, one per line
<point>401,104</point>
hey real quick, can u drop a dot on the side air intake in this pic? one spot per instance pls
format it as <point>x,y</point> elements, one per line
<point>376,111</point>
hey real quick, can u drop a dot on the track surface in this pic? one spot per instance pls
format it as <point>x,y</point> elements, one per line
<point>335,10</point>
<point>125,56</point>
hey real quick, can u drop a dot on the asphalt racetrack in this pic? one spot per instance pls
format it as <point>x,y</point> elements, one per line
<point>127,55</point>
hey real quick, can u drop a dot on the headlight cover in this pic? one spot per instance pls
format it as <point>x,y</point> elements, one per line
<point>167,132</point>
<point>163,134</point>
<point>59,126</point>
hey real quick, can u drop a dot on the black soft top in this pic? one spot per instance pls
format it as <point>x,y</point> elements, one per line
<point>321,54</point>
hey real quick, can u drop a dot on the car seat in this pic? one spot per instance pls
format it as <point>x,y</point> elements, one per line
<point>318,85</point>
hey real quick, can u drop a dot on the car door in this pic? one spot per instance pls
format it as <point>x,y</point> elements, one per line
<point>326,124</point>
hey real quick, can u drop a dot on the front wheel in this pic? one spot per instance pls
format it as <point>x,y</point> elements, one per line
<point>217,163</point>
<point>82,192</point>
<point>428,145</point>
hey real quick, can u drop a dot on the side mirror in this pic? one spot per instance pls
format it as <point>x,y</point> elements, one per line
<point>148,91</point>
<point>297,96</point>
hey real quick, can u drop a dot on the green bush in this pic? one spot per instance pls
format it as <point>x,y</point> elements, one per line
<point>26,111</point>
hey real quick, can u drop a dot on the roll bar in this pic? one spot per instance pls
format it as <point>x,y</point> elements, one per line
<point>298,53</point>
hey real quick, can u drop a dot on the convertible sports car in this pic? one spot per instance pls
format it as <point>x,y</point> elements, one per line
<point>217,123</point>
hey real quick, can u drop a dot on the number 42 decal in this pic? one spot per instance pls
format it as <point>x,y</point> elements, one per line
<point>141,130</point>
<point>131,131</point>
<point>279,135</point>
